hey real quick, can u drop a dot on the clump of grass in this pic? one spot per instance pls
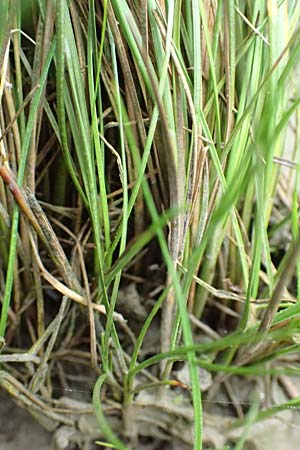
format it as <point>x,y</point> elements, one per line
<point>150,134</point>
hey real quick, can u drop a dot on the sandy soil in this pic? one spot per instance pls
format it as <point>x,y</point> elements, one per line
<point>18,430</point>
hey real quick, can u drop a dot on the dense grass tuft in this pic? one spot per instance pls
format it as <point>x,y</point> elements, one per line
<point>148,147</point>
